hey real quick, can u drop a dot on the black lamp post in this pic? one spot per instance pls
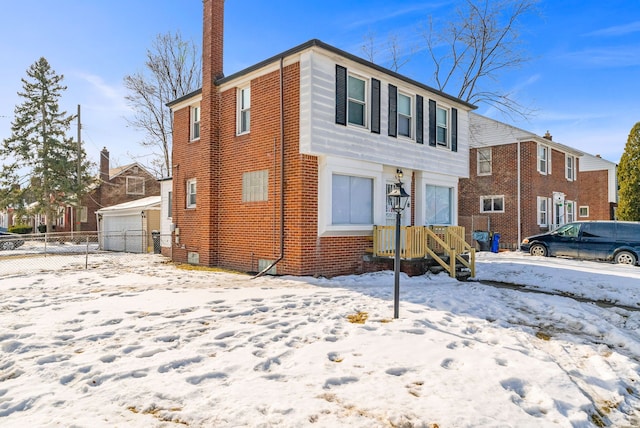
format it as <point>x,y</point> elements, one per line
<point>399,199</point>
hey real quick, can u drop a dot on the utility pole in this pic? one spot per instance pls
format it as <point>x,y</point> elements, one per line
<point>79,168</point>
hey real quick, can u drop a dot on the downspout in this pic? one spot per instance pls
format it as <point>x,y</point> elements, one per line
<point>281,256</point>
<point>519,199</point>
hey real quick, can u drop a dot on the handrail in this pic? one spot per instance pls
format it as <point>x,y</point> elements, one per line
<point>418,242</point>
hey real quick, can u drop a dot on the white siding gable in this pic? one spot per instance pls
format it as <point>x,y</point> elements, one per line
<point>320,135</point>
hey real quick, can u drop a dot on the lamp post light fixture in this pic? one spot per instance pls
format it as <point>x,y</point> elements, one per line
<point>399,199</point>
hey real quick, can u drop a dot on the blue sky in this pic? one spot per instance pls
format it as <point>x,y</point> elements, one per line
<point>583,79</point>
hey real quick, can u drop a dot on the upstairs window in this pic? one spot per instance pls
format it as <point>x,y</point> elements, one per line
<point>244,110</point>
<point>135,186</point>
<point>195,123</point>
<point>405,116</point>
<point>356,101</point>
<point>442,130</point>
<point>544,166</point>
<point>484,161</point>
<point>570,162</point>
<point>170,204</point>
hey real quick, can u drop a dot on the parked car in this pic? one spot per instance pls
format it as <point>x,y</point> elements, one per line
<point>617,241</point>
<point>10,241</point>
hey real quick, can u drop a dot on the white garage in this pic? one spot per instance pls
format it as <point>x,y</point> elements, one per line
<point>127,227</point>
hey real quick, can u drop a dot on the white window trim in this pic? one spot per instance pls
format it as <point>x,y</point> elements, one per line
<point>539,211</point>
<point>548,160</point>
<point>489,161</point>
<point>193,123</point>
<point>453,211</point>
<point>188,193</point>
<point>420,209</point>
<point>570,176</point>
<point>569,214</point>
<point>240,110</point>
<point>366,102</point>
<point>448,125</point>
<point>411,117</point>
<point>329,166</point>
<point>580,208</point>
<point>136,179</point>
<point>492,197</point>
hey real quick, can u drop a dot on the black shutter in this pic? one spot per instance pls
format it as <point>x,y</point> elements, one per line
<point>419,119</point>
<point>341,95</point>
<point>375,106</point>
<point>393,111</point>
<point>432,123</point>
<point>454,129</point>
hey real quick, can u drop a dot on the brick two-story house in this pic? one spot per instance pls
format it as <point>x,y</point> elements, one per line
<point>519,184</point>
<point>288,163</point>
<point>114,186</point>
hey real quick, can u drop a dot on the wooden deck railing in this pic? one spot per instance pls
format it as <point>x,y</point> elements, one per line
<point>418,242</point>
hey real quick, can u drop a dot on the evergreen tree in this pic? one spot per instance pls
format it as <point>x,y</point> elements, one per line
<point>629,178</point>
<point>39,162</point>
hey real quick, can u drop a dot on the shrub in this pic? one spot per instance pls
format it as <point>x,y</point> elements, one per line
<point>20,228</point>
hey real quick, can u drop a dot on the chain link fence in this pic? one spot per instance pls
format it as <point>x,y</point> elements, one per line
<point>53,251</point>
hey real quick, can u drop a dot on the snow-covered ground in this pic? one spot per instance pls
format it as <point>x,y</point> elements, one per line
<point>136,342</point>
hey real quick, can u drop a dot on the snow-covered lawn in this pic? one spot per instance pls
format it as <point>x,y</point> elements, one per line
<point>136,342</point>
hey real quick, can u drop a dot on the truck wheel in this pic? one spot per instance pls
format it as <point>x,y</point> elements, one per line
<point>625,258</point>
<point>538,250</point>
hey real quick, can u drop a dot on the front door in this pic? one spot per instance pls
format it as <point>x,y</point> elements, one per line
<point>390,214</point>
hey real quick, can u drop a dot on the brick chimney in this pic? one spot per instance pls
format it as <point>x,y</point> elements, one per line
<point>548,136</point>
<point>104,164</point>
<point>207,168</point>
<point>212,41</point>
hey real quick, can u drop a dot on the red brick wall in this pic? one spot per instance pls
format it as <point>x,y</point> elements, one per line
<point>594,187</point>
<point>503,181</point>
<point>250,231</point>
<point>224,230</point>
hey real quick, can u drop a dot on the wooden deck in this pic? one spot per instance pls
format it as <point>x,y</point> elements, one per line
<point>444,244</point>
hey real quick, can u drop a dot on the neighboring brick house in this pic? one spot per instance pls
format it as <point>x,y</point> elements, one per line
<point>520,183</point>
<point>288,163</point>
<point>114,186</point>
<point>598,188</point>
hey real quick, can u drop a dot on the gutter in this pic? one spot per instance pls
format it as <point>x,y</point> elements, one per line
<point>519,184</point>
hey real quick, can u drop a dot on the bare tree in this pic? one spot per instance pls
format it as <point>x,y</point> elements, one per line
<point>172,70</point>
<point>470,51</point>
<point>393,47</point>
